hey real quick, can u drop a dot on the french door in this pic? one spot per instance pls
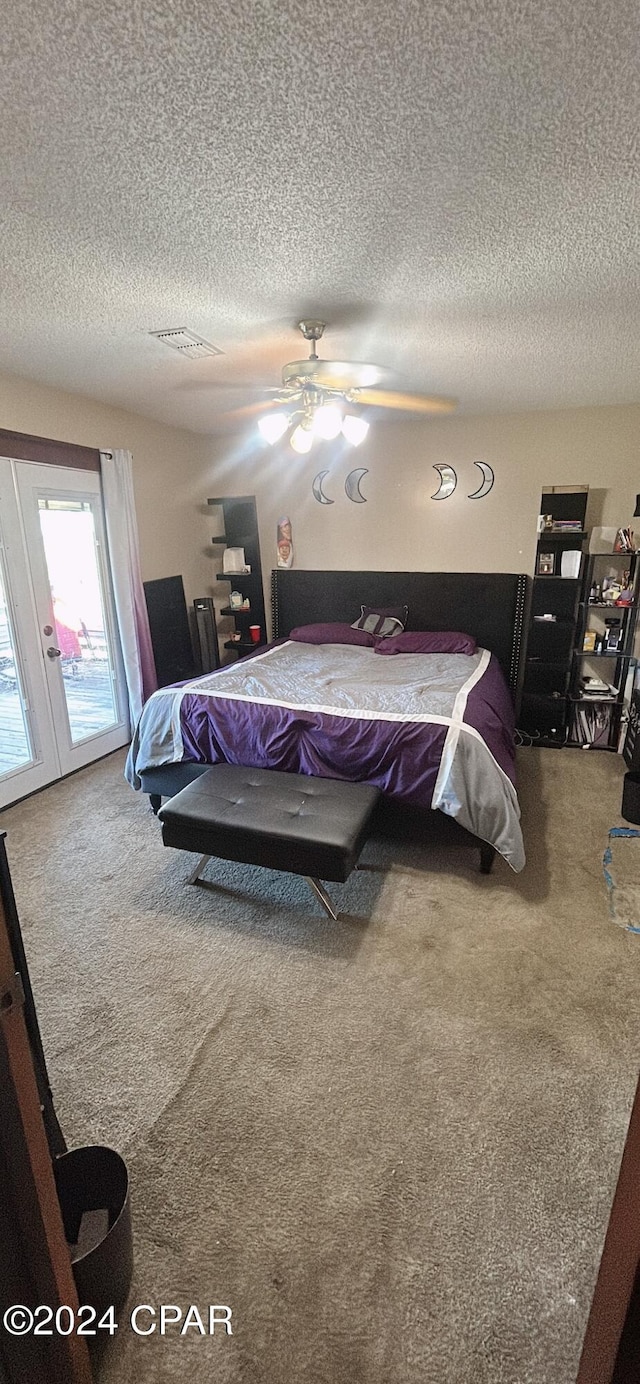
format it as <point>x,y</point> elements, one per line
<point>62,691</point>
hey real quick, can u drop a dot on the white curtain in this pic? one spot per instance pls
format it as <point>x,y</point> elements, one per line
<point>124,557</point>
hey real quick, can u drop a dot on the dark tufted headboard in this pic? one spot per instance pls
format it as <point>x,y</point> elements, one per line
<point>492,606</point>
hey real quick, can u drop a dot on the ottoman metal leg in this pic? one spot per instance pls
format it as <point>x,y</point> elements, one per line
<point>194,877</point>
<point>315,884</point>
<point>321,894</point>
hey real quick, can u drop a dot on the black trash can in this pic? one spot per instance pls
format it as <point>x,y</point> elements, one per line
<point>94,1179</point>
<point>631,797</point>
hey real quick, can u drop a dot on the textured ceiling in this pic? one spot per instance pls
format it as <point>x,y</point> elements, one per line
<point>451,184</point>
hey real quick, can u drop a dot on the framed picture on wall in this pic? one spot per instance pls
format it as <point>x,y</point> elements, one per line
<point>545,564</point>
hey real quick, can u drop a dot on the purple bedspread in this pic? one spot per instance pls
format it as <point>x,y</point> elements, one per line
<point>402,760</point>
<point>428,730</point>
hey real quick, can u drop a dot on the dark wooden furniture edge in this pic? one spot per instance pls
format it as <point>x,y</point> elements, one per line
<point>34,1255</point>
<point>611,1350</point>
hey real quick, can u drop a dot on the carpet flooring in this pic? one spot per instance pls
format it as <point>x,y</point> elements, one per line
<point>388,1144</point>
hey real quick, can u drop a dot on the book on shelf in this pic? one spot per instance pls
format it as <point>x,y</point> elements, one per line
<point>591,725</point>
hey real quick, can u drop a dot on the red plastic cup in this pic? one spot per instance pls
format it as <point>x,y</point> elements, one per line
<point>254,633</point>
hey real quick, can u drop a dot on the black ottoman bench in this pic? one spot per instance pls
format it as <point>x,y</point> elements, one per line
<point>314,827</point>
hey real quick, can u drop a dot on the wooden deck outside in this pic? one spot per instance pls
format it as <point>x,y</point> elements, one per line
<point>90,705</point>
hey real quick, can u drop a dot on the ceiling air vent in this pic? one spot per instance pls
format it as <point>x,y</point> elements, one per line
<point>187,343</point>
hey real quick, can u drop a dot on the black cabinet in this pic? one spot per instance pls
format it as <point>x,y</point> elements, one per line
<point>551,643</point>
<point>240,522</point>
<point>554,618</point>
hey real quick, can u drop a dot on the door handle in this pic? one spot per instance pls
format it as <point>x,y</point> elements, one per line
<point>53,653</point>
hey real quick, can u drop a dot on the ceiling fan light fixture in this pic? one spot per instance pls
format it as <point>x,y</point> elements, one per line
<point>273,426</point>
<point>354,429</point>
<point>301,439</point>
<point>327,421</point>
<point>316,395</point>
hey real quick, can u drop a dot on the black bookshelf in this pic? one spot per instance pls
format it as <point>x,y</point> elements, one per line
<point>603,648</point>
<point>240,522</point>
<point>546,707</point>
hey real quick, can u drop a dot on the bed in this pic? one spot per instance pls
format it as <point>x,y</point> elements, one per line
<point>431,729</point>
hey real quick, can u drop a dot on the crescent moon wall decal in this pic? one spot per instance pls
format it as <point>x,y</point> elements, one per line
<point>352,485</point>
<point>318,492</point>
<point>487,480</point>
<point>448,482</point>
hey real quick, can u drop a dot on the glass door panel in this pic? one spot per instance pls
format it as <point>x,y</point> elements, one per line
<point>15,741</point>
<point>62,690</point>
<point>28,753</point>
<point>81,640</point>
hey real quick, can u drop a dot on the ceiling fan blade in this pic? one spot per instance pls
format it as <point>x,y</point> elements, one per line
<point>245,411</point>
<point>409,403</point>
<point>336,374</point>
<point>256,409</point>
<point>233,387</point>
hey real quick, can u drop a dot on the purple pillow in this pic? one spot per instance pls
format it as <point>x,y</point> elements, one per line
<point>428,642</point>
<point>382,621</point>
<point>332,634</point>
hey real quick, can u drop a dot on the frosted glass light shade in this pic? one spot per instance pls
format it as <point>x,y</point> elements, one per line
<point>301,439</point>
<point>272,426</point>
<point>354,429</point>
<point>327,421</point>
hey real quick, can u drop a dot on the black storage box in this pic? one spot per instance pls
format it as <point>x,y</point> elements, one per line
<point>544,717</point>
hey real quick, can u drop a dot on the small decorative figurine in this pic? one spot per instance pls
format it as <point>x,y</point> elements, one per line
<point>285,542</point>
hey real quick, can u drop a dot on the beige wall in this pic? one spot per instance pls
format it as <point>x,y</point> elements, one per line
<point>400,526</point>
<point>168,467</point>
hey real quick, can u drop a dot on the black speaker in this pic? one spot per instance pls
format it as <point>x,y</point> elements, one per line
<point>206,637</point>
<point>170,633</point>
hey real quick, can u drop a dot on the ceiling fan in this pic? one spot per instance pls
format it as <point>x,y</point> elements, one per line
<point>315,396</point>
